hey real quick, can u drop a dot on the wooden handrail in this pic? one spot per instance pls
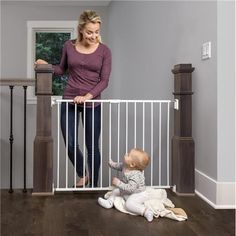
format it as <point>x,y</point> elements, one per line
<point>17,82</point>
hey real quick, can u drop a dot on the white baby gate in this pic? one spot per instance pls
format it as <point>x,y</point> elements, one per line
<point>124,124</point>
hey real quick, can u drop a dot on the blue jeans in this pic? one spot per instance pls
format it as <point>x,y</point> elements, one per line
<point>93,153</point>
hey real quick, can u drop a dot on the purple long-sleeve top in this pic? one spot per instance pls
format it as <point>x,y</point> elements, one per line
<point>88,73</point>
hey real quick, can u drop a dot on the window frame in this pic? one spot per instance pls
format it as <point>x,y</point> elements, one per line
<point>43,26</point>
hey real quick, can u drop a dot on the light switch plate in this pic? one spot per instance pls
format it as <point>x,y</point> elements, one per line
<point>206,50</point>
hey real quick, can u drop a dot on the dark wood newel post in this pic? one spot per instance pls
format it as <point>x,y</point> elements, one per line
<point>182,142</point>
<point>43,143</point>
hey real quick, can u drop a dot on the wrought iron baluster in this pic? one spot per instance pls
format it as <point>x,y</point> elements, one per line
<point>11,139</point>
<point>25,88</point>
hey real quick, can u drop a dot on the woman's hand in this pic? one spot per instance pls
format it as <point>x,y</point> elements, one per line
<point>82,99</point>
<point>40,62</point>
<point>115,181</point>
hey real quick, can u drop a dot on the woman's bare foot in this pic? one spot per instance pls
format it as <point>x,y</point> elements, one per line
<point>82,182</point>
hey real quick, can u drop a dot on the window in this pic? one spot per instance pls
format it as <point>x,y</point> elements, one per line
<point>48,47</point>
<point>45,41</point>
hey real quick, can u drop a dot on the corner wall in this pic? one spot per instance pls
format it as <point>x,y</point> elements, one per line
<point>147,40</point>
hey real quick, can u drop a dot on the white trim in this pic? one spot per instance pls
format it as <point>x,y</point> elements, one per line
<point>213,204</point>
<point>43,26</point>
<point>206,176</point>
<point>220,195</point>
<point>205,199</point>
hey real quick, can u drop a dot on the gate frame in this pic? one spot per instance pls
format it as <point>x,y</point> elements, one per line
<point>182,142</point>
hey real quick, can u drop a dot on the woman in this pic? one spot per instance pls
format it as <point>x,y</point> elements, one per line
<point>88,62</point>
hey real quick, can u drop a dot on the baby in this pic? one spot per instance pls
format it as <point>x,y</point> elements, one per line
<point>132,186</point>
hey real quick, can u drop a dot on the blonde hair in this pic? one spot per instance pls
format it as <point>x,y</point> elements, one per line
<point>140,158</point>
<point>88,16</point>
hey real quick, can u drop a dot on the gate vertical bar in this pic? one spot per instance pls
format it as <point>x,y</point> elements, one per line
<point>168,144</point>
<point>84,146</point>
<point>101,146</point>
<point>67,157</point>
<point>143,125</point>
<point>152,144</point>
<point>126,126</point>
<point>75,144</point>
<point>58,143</point>
<point>135,123</point>
<point>93,145</point>
<point>109,140</point>
<point>118,129</point>
<point>160,143</point>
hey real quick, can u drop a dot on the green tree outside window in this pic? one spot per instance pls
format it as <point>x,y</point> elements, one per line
<point>49,48</point>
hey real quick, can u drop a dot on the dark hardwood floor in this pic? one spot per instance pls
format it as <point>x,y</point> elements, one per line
<point>79,214</point>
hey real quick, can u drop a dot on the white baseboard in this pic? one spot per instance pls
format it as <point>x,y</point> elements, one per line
<point>220,195</point>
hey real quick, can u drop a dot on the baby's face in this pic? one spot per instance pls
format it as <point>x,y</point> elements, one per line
<point>128,158</point>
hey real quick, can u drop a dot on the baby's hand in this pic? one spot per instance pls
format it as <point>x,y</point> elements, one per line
<point>115,181</point>
<point>111,163</point>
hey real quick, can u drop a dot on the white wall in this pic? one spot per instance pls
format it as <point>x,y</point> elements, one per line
<point>226,91</point>
<point>225,102</point>
<point>142,49</point>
